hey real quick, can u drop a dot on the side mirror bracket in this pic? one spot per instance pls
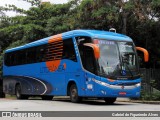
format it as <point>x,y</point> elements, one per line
<point>95,49</point>
<point>145,52</point>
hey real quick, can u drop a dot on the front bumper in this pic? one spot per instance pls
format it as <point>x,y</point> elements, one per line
<point>106,90</point>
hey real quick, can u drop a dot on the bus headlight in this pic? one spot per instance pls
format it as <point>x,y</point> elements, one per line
<point>116,86</point>
<point>138,84</point>
<point>101,83</point>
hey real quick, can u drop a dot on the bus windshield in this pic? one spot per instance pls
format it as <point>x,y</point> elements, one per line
<point>117,59</point>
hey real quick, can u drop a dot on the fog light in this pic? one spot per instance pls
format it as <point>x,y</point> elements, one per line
<point>139,84</point>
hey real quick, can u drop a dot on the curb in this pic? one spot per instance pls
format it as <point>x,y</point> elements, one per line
<point>145,102</point>
<point>138,101</point>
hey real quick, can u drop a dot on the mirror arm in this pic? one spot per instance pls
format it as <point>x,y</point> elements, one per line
<point>146,54</point>
<point>95,48</point>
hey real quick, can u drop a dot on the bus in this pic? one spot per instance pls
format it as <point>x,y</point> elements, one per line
<point>78,63</point>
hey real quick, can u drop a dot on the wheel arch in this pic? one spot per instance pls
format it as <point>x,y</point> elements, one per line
<point>71,82</point>
<point>17,83</point>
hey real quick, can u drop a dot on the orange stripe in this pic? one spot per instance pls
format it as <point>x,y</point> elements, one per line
<point>55,43</point>
<point>56,38</point>
<point>50,54</point>
<point>60,56</point>
<point>54,64</point>
<point>56,49</point>
<point>50,46</point>
<point>110,80</point>
<point>50,57</point>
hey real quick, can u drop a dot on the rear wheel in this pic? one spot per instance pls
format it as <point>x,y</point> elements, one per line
<point>19,94</point>
<point>74,94</point>
<point>45,97</point>
<point>110,100</point>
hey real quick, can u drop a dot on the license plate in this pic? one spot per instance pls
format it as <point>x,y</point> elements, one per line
<point>122,93</point>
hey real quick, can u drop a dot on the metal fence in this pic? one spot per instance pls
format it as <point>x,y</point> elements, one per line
<point>150,80</point>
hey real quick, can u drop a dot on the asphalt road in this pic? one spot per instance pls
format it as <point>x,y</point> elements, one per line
<point>66,105</point>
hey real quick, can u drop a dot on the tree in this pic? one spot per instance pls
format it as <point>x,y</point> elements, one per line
<point>139,19</point>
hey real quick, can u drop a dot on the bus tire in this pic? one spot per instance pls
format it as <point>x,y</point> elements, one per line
<point>18,93</point>
<point>110,100</point>
<point>74,94</point>
<point>45,97</point>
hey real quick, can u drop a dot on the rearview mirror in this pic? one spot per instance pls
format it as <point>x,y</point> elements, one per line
<point>145,52</point>
<point>95,49</point>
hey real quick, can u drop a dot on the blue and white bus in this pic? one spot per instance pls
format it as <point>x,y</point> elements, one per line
<point>78,63</point>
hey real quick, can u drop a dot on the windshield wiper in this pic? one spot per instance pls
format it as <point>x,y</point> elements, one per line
<point>125,61</point>
<point>129,70</point>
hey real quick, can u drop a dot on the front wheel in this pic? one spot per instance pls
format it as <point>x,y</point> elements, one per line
<point>74,94</point>
<point>110,100</point>
<point>19,94</point>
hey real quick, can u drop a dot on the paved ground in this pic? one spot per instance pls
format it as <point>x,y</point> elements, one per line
<point>66,105</point>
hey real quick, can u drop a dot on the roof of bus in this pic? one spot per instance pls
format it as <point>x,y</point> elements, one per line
<point>99,34</point>
<point>91,33</point>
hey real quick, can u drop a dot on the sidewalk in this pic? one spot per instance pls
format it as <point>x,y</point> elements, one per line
<point>118,100</point>
<point>137,101</point>
<point>145,102</point>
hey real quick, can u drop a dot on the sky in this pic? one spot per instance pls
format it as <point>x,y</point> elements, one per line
<point>25,5</point>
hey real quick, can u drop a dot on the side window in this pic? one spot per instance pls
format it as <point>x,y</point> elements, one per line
<point>88,60</point>
<point>13,58</point>
<point>40,53</point>
<point>80,41</point>
<point>11,55</point>
<point>31,55</point>
<point>83,39</point>
<point>26,56</point>
<point>21,58</point>
<point>86,53</point>
<point>68,50</point>
<point>7,59</point>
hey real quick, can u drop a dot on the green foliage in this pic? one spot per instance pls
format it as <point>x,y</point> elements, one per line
<point>16,44</point>
<point>56,25</point>
<point>34,2</point>
<point>32,32</point>
<point>137,19</point>
<point>145,96</point>
<point>149,92</point>
<point>154,96</point>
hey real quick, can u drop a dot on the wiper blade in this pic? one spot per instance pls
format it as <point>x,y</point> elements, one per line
<point>129,70</point>
<point>126,61</point>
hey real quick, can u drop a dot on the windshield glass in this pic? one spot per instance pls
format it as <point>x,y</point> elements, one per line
<point>109,58</point>
<point>116,59</point>
<point>128,56</point>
